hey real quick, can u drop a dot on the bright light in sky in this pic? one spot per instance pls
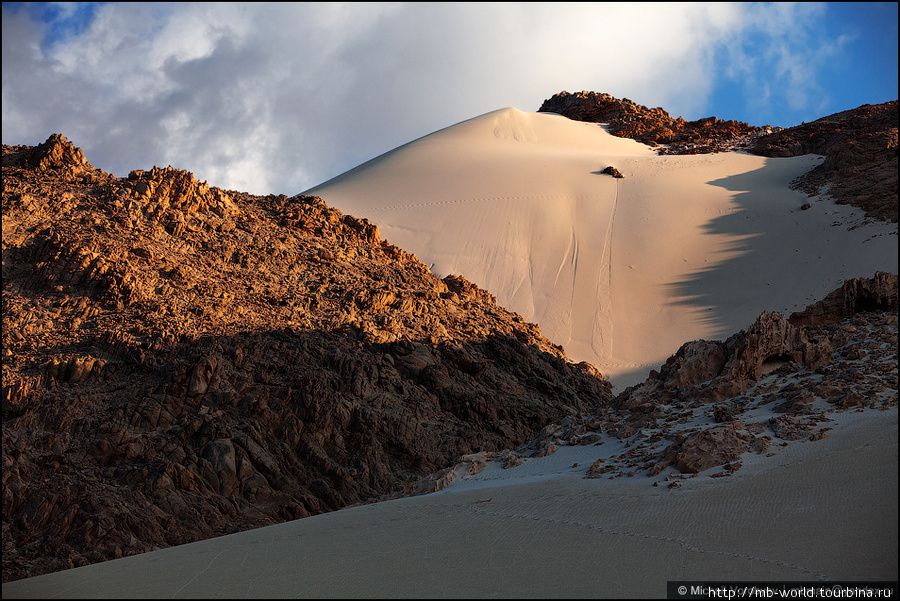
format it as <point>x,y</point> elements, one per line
<point>279,97</point>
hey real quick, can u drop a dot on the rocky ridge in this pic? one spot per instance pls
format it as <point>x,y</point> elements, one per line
<point>182,362</point>
<point>654,127</point>
<point>860,150</point>
<point>859,145</point>
<point>711,404</point>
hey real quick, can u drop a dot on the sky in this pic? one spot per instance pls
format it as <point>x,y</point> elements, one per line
<point>275,98</point>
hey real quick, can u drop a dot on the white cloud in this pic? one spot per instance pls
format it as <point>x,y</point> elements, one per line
<point>278,97</point>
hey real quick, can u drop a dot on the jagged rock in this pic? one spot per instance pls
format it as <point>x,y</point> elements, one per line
<point>797,402</point>
<point>860,149</point>
<point>859,145</point>
<point>770,338</point>
<point>468,465</point>
<point>173,195</point>
<point>847,353</point>
<point>786,427</point>
<point>694,363</point>
<point>509,459</point>
<point>861,294</point>
<point>655,126</point>
<point>182,362</point>
<point>58,153</point>
<point>709,372</point>
<point>598,469</point>
<point>712,447</point>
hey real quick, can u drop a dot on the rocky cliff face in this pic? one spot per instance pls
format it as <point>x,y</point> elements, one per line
<point>709,372</point>
<point>878,294</point>
<point>182,362</point>
<point>859,145</point>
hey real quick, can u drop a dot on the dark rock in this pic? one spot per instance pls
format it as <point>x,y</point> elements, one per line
<point>171,378</point>
<point>613,172</point>
<point>860,150</point>
<point>878,293</point>
<point>711,448</point>
<point>655,127</point>
<point>859,145</point>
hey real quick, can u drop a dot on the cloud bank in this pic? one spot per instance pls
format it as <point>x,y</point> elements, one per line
<point>276,98</point>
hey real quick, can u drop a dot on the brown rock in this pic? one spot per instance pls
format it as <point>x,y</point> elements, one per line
<point>655,127</point>
<point>711,448</point>
<point>789,428</point>
<point>613,172</point>
<point>860,145</point>
<point>57,153</point>
<point>173,382</point>
<point>860,149</point>
<point>878,293</point>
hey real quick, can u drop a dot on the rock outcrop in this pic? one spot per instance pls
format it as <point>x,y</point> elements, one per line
<point>711,371</point>
<point>613,172</point>
<point>182,362</point>
<point>655,126</point>
<point>860,150</point>
<point>713,402</point>
<point>825,346</point>
<point>854,296</point>
<point>859,145</point>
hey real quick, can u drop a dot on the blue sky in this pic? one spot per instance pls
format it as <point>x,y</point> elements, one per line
<point>276,98</point>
